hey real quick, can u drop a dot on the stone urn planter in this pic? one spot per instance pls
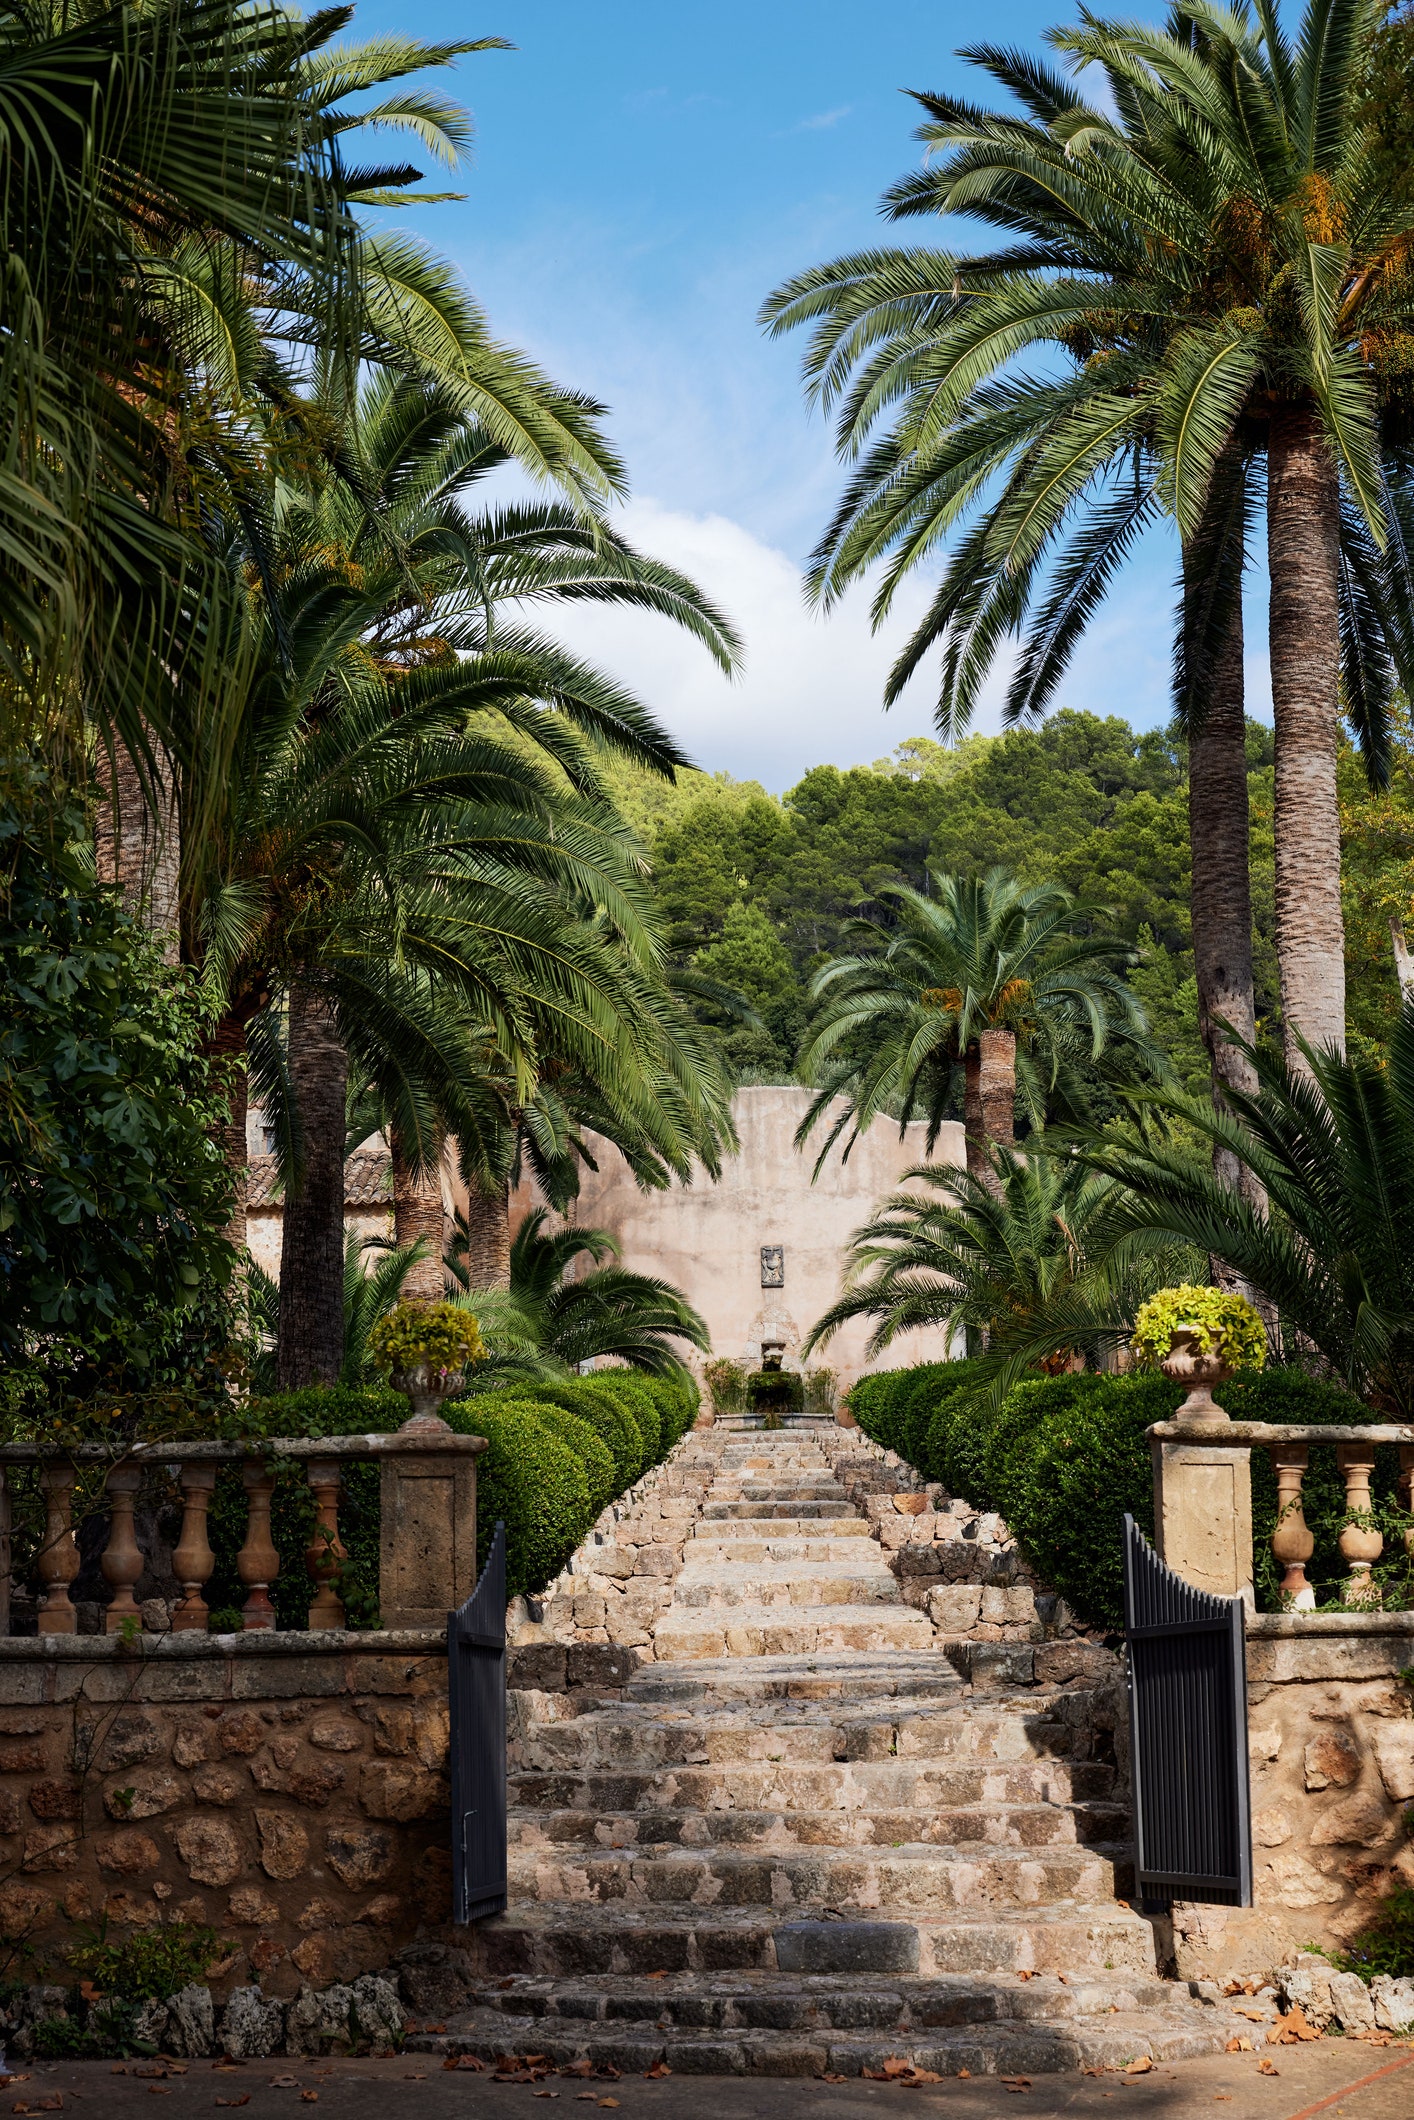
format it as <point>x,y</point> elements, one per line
<point>1189,1363</point>
<point>426,1387</point>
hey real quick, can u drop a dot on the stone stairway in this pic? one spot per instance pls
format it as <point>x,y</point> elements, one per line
<point>802,1841</point>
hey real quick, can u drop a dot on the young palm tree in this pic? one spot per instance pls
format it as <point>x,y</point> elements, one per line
<point>1331,1146</point>
<point>986,973</point>
<point>1015,1263</point>
<point>1163,246</point>
<point>572,1318</point>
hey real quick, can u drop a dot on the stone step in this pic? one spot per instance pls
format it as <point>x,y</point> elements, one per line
<point>974,1828</point>
<point>757,1630</point>
<point>790,1583</point>
<point>928,1879</point>
<point>559,1940</point>
<point>723,1512</point>
<point>873,1786</point>
<point>806,1530</point>
<point>1013,2047</point>
<point>833,1542</point>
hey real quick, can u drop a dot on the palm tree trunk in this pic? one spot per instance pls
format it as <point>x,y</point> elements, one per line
<point>227,1045</point>
<point>417,1212</point>
<point>139,848</point>
<point>974,1127</point>
<point>1221,892</point>
<point>488,1235</point>
<point>1302,552</point>
<point>997,1086</point>
<point>312,1245</point>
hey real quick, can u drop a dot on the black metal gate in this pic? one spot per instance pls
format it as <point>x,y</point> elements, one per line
<point>1188,1723</point>
<point>476,1679</point>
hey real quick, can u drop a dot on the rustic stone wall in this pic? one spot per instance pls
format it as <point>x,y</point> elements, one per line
<point>1331,1737</point>
<point>291,1791</point>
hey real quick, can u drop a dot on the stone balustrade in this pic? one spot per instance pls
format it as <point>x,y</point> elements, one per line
<point>1203,1503</point>
<point>427,1559</point>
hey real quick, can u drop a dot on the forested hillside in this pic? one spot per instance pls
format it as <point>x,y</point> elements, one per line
<point>759,889</point>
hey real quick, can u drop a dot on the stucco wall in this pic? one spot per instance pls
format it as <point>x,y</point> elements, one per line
<point>706,1238</point>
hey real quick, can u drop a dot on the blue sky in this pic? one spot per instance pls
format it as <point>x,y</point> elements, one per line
<point>643,175</point>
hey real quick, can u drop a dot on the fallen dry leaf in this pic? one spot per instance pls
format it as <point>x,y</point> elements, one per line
<point>471,2061</point>
<point>1222,2098</point>
<point>1026,1976</point>
<point>1099,2070</point>
<point>657,1976</point>
<point>1016,2083</point>
<point>1139,2066</point>
<point>922,2075</point>
<point>964,2072</point>
<point>582,2067</point>
<point>1257,2016</point>
<point>1267,2068</point>
<point>1239,2046</point>
<point>608,2101</point>
<point>658,2070</point>
<point>830,2075</point>
<point>309,2097</point>
<point>150,2068</point>
<point>284,2083</point>
<point>606,2068</point>
<point>1291,2027</point>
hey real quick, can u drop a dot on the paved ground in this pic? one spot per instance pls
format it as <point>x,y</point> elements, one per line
<point>1343,2079</point>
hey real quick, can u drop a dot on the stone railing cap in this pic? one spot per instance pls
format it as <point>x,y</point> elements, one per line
<point>1240,1434</point>
<point>420,1442</point>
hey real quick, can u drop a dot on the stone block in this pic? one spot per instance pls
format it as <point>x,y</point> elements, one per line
<point>211,1850</point>
<point>1357,1823</point>
<point>9,1810</point>
<point>218,1785</point>
<point>251,1906</point>
<point>1332,1760</point>
<point>955,1609</point>
<point>1394,1756</point>
<point>251,2026</point>
<point>287,1677</point>
<point>129,1740</point>
<point>1058,1663</point>
<point>55,1799</point>
<point>359,1855</point>
<point>846,1947</point>
<point>539,1667</point>
<point>427,1559</point>
<point>1393,2003</point>
<point>435,1978</point>
<point>1203,1515</point>
<point>1351,2002</point>
<point>397,1790</point>
<point>52,1848</point>
<point>284,1845</point>
<point>192,2022</point>
<point>143,1795</point>
<point>129,1853</point>
<point>334,1734</point>
<point>592,1664</point>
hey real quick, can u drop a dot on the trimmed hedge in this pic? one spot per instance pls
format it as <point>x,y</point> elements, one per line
<point>557,1454</point>
<point>1063,1458</point>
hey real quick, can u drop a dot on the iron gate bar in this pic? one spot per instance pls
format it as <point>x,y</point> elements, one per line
<point>1188,1729</point>
<point>476,1687</point>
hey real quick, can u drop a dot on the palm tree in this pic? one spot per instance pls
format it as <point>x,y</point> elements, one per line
<point>1015,1263</point>
<point>1006,980</point>
<point>1331,1145</point>
<point>1176,223</point>
<point>570,1318</point>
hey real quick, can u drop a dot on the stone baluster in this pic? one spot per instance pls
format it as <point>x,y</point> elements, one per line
<point>1292,1540</point>
<point>325,1555</point>
<point>122,1556</point>
<point>193,1560</point>
<point>1360,1544</point>
<point>58,1560</point>
<point>258,1563</point>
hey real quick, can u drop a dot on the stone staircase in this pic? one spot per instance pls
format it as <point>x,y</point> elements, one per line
<point>814,1835</point>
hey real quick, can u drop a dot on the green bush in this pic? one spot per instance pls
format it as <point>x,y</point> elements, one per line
<point>531,1480</point>
<point>1065,1457</point>
<point>611,1420</point>
<point>629,1388</point>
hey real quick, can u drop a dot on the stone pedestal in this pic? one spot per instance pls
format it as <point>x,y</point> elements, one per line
<point>427,1559</point>
<point>1203,1514</point>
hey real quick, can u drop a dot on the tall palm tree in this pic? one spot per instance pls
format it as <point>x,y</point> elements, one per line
<point>1179,221</point>
<point>1008,981</point>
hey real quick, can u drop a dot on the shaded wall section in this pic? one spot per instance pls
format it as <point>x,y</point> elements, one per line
<point>708,1239</point>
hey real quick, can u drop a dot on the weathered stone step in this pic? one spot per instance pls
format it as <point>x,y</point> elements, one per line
<point>1001,2047</point>
<point>929,1879</point>
<point>795,1507</point>
<point>831,1542</point>
<point>974,1828</point>
<point>755,1630</point>
<point>775,1583</point>
<point>865,1785</point>
<point>560,1940</point>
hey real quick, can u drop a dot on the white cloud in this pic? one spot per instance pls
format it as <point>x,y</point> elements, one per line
<point>823,120</point>
<point>811,688</point>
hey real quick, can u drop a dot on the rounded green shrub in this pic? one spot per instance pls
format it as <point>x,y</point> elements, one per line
<point>957,1442</point>
<point>611,1420</point>
<point>627,1388</point>
<point>876,1401</point>
<point>532,1480</point>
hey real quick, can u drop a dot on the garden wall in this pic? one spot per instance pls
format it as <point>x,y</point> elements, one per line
<point>289,1790</point>
<point>1331,1737</point>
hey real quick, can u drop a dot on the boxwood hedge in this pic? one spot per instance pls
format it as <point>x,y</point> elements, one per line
<point>1063,1458</point>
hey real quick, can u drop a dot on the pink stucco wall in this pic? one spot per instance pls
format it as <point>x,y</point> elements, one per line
<point>706,1238</point>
